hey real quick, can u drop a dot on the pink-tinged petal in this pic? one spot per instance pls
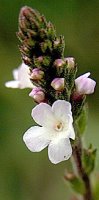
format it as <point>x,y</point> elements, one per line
<point>43,115</point>
<point>35,139</point>
<point>85,85</point>
<point>86,75</point>
<point>12,84</point>
<point>23,77</point>
<point>62,109</point>
<point>78,81</point>
<point>89,86</point>
<point>59,150</point>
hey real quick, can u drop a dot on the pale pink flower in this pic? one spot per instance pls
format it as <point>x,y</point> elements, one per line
<point>21,78</point>
<point>84,84</point>
<point>54,130</point>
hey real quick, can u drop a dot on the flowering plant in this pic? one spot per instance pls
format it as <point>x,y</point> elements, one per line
<point>61,98</point>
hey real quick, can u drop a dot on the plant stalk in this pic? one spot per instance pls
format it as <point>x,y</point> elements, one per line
<point>77,154</point>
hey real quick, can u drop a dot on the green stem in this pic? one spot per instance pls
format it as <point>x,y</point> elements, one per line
<point>77,153</point>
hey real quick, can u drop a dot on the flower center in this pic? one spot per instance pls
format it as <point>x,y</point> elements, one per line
<point>59,126</point>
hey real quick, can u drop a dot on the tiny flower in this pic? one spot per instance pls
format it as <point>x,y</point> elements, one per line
<point>58,84</point>
<point>70,62</point>
<point>37,94</point>
<point>21,78</point>
<point>37,74</point>
<point>54,131</point>
<point>58,63</point>
<point>84,84</point>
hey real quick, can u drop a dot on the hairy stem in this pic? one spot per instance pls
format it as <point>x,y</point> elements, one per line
<point>77,153</point>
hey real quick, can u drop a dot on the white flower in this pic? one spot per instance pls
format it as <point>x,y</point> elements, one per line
<point>54,131</point>
<point>21,78</point>
<point>85,85</point>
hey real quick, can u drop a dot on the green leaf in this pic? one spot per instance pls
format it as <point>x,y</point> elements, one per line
<point>78,186</point>
<point>75,183</point>
<point>96,186</point>
<point>82,120</point>
<point>88,159</point>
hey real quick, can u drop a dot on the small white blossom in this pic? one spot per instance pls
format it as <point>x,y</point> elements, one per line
<point>84,84</point>
<point>21,78</point>
<point>54,131</point>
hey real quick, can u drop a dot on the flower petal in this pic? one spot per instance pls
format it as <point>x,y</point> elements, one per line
<point>15,74</point>
<point>59,150</point>
<point>85,85</point>
<point>35,139</point>
<point>62,109</point>
<point>12,84</point>
<point>43,115</point>
<point>86,75</point>
<point>71,133</point>
<point>23,77</point>
<point>90,86</point>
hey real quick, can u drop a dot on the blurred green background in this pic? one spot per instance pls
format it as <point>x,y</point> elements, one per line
<point>31,176</point>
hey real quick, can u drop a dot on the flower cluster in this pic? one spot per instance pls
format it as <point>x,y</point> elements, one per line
<point>52,77</point>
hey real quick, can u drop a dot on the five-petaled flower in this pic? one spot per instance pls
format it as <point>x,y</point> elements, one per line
<point>84,84</point>
<point>55,130</point>
<point>21,78</point>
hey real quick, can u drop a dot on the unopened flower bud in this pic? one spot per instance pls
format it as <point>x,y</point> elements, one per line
<point>38,61</point>
<point>69,176</point>
<point>37,74</point>
<point>59,63</point>
<point>70,61</point>
<point>29,16</point>
<point>37,94</point>
<point>56,42</point>
<point>58,84</point>
<point>40,58</point>
<point>85,85</point>
<point>25,11</point>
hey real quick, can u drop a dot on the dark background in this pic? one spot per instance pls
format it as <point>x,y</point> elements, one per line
<point>31,176</point>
